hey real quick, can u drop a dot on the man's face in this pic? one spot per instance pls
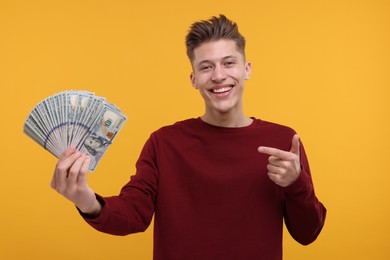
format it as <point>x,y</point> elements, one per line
<point>219,72</point>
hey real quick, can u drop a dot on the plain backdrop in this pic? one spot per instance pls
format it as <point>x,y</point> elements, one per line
<point>321,67</point>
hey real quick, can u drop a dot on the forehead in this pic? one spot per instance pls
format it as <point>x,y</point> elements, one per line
<point>216,50</point>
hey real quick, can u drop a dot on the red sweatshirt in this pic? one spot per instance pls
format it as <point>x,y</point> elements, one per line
<point>212,199</point>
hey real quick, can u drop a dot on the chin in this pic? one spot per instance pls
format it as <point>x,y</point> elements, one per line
<point>224,109</point>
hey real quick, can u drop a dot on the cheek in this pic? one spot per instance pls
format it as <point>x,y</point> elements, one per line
<point>203,92</point>
<point>240,75</point>
<point>201,78</point>
<point>201,83</point>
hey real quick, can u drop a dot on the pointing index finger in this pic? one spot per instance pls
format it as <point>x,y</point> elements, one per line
<point>284,155</point>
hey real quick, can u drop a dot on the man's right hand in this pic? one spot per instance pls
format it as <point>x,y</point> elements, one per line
<point>70,180</point>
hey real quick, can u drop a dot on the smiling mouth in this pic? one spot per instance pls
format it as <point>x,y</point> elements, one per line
<point>221,90</point>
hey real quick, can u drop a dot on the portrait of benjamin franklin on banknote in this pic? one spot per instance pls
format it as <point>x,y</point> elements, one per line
<point>95,145</point>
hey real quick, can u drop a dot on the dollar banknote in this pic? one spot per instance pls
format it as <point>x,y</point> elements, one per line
<point>75,118</point>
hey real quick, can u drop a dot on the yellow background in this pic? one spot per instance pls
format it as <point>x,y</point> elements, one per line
<point>321,67</point>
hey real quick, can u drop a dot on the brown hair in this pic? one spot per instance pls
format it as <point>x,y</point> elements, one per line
<point>215,28</point>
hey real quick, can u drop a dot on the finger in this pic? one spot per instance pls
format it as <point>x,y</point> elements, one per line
<point>82,178</point>
<point>75,169</point>
<point>276,152</point>
<point>275,160</point>
<point>62,171</point>
<point>70,150</point>
<point>273,169</point>
<point>280,169</point>
<point>53,181</point>
<point>66,163</point>
<point>295,145</point>
<point>274,177</point>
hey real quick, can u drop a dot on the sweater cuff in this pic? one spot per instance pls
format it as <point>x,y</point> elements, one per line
<point>102,216</point>
<point>302,184</point>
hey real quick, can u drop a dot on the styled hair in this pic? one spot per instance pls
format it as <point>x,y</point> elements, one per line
<point>216,28</point>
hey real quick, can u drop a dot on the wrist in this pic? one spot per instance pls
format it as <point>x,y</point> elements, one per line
<point>93,210</point>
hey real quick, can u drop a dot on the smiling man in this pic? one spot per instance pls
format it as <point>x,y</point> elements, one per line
<point>219,73</point>
<point>221,185</point>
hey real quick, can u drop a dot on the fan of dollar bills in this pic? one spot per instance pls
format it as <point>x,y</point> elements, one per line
<point>75,118</point>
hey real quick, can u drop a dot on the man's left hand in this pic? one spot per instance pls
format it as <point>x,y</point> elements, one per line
<point>283,166</point>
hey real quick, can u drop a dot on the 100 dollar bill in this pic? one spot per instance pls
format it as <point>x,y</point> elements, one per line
<point>103,132</point>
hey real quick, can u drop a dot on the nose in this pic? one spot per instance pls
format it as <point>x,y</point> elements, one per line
<point>219,74</point>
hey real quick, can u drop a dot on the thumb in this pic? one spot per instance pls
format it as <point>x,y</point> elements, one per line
<point>295,145</point>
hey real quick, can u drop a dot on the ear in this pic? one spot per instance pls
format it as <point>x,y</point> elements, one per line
<point>248,70</point>
<point>193,80</point>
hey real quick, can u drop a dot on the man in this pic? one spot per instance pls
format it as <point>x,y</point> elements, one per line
<point>219,185</point>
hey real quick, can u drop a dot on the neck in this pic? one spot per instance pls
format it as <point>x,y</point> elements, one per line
<point>225,120</point>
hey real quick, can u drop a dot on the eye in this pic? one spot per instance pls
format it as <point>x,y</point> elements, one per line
<point>229,63</point>
<point>205,67</point>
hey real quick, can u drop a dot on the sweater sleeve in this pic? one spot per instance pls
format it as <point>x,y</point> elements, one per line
<point>132,210</point>
<point>304,214</point>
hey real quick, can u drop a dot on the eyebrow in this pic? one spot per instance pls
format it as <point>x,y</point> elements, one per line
<point>209,61</point>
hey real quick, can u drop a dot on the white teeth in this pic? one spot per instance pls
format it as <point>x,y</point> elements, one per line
<point>221,90</point>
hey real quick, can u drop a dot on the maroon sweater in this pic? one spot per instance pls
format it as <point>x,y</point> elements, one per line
<point>212,199</point>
